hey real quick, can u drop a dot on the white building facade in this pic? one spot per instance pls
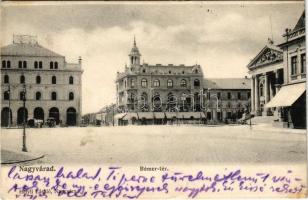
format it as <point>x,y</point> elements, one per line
<point>52,86</point>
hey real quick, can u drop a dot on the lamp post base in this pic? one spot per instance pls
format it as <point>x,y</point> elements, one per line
<point>24,149</point>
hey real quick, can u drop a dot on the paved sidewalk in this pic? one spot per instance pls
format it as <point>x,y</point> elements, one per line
<point>14,157</point>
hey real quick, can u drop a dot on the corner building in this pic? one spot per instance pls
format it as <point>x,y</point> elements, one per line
<point>279,80</point>
<point>52,86</point>
<point>160,94</point>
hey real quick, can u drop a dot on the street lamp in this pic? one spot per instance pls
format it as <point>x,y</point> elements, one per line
<point>112,115</point>
<point>24,92</point>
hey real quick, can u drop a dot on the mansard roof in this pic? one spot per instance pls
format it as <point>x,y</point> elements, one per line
<point>270,54</point>
<point>26,49</point>
<point>227,83</point>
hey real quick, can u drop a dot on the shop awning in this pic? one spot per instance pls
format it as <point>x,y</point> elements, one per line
<point>130,116</point>
<point>287,95</point>
<point>146,115</point>
<point>120,115</point>
<point>171,115</point>
<point>159,115</point>
<point>189,115</point>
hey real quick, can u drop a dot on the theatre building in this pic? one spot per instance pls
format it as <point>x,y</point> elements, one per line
<point>166,94</point>
<point>50,86</point>
<point>279,80</point>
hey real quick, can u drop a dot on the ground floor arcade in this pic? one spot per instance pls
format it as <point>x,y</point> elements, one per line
<point>15,117</point>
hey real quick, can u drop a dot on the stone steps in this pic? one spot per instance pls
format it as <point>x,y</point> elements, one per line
<point>263,119</point>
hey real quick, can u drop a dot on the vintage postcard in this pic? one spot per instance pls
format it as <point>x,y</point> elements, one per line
<point>153,100</point>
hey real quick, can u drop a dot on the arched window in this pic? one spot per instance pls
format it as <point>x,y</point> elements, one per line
<point>6,95</point>
<point>53,80</point>
<point>71,96</point>
<point>169,83</point>
<point>38,79</point>
<point>144,97</point>
<point>144,82</point>
<point>21,95</point>
<point>53,96</point>
<point>56,65</point>
<point>196,71</point>
<point>3,64</point>
<point>6,79</point>
<point>71,80</point>
<point>35,64</point>
<point>38,95</point>
<point>19,64</point>
<point>40,64</point>
<point>8,64</point>
<point>196,82</point>
<point>24,64</point>
<point>156,83</point>
<point>132,83</point>
<point>51,65</point>
<point>183,83</point>
<point>22,79</point>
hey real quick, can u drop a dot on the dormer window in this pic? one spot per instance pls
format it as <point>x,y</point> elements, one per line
<point>169,72</point>
<point>143,70</point>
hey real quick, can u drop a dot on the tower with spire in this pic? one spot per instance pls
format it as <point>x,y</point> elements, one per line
<point>134,55</point>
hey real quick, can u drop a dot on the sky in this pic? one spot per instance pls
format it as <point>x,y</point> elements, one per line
<point>222,37</point>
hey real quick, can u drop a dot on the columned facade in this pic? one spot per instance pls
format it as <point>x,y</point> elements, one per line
<point>279,77</point>
<point>266,70</point>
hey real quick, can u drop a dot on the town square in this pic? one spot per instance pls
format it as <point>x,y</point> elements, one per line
<point>155,88</point>
<point>163,145</point>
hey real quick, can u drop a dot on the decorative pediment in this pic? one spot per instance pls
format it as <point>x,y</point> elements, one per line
<point>266,56</point>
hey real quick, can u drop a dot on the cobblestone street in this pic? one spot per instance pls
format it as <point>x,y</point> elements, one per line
<point>161,144</point>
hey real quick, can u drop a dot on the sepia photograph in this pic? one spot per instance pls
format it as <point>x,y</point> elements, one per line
<point>153,100</point>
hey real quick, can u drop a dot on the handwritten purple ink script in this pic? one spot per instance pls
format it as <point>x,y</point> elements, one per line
<point>114,182</point>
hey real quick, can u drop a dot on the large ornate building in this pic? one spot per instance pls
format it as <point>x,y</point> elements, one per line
<point>279,79</point>
<point>159,94</point>
<point>52,87</point>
